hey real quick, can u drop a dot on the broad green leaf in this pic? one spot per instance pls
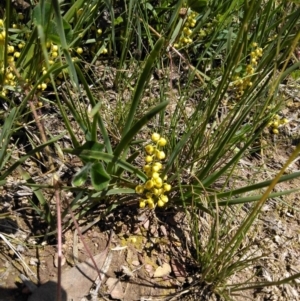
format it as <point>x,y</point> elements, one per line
<point>197,5</point>
<point>82,175</point>
<point>100,178</point>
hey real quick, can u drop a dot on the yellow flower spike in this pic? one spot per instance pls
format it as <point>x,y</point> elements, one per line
<point>160,203</point>
<point>149,184</point>
<point>79,50</point>
<point>142,204</point>
<point>148,159</point>
<point>162,142</point>
<point>139,189</point>
<point>149,149</point>
<point>155,137</point>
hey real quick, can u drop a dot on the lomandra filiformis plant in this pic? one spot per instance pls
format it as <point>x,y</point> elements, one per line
<point>155,187</point>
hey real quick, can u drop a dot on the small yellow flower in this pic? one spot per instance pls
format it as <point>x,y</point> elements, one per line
<point>160,203</point>
<point>147,168</point>
<point>54,48</point>
<point>139,189</point>
<point>149,184</point>
<point>167,187</point>
<point>164,198</point>
<point>148,159</point>
<point>155,175</point>
<point>160,155</point>
<point>155,137</point>
<point>162,142</point>
<point>79,50</point>
<point>158,182</point>
<point>149,149</point>
<point>275,131</point>
<point>142,204</point>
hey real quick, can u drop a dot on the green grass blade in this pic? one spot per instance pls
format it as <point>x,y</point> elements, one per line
<point>142,82</point>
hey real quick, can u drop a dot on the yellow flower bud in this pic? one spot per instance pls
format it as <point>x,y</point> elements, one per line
<point>148,159</point>
<point>139,189</point>
<point>275,131</point>
<point>155,137</point>
<point>149,149</point>
<point>162,142</point>
<point>17,54</point>
<point>160,203</point>
<point>155,175</point>
<point>54,48</point>
<point>158,182</point>
<point>142,204</point>
<point>167,187</point>
<point>79,50</point>
<point>160,155</point>
<point>149,184</point>
<point>54,54</point>
<point>164,198</point>
<point>147,168</point>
